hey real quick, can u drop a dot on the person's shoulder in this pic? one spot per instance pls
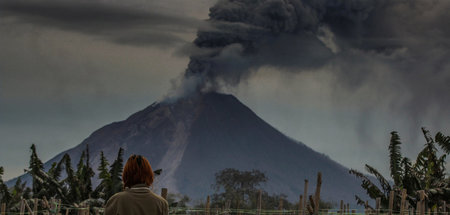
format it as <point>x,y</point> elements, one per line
<point>118,196</point>
<point>160,199</point>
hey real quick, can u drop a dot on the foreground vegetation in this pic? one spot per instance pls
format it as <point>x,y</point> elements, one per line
<point>233,188</point>
<point>427,172</point>
<point>75,189</point>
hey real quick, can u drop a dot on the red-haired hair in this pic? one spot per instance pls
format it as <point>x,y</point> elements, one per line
<point>137,170</point>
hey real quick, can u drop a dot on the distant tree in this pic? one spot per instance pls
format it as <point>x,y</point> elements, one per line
<point>42,183</point>
<point>55,170</point>
<point>62,190</point>
<point>89,173</point>
<point>116,175</point>
<point>5,196</point>
<point>36,167</point>
<point>72,181</point>
<point>426,173</point>
<point>84,174</point>
<point>105,178</point>
<point>239,187</point>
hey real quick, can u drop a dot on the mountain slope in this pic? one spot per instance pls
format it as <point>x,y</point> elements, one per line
<point>193,138</point>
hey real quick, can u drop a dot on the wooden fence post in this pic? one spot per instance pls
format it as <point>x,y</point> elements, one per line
<point>377,205</point>
<point>317,194</point>
<point>29,208</point>
<point>348,208</point>
<point>258,204</point>
<point>345,209</point>
<point>391,201</point>
<point>422,202</point>
<point>402,203</point>
<point>3,208</point>
<point>311,206</point>
<point>407,206</point>
<point>22,207</point>
<point>207,205</point>
<point>280,205</point>
<point>418,206</point>
<point>45,202</point>
<point>58,210</point>
<point>367,207</point>
<point>300,205</point>
<point>342,207</point>
<point>227,207</point>
<point>305,195</point>
<point>35,206</point>
<point>164,193</point>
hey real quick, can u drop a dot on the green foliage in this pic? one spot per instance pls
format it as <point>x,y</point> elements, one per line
<point>5,196</point>
<point>395,157</point>
<point>116,175</point>
<point>18,191</point>
<point>443,141</point>
<point>35,168</point>
<point>84,174</point>
<point>74,189</point>
<point>105,178</point>
<point>71,181</point>
<point>239,187</point>
<point>426,173</point>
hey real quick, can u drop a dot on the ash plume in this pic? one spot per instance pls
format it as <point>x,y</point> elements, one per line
<point>244,35</point>
<point>402,46</point>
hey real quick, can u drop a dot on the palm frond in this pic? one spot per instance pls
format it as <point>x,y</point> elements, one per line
<point>383,182</point>
<point>427,135</point>
<point>395,158</point>
<point>371,189</point>
<point>443,141</point>
<point>361,202</point>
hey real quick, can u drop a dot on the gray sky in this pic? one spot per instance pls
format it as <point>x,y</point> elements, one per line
<point>69,67</point>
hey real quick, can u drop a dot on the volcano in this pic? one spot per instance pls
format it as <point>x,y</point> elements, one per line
<point>193,138</point>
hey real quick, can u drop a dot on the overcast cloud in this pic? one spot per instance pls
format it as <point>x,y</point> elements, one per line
<point>119,23</point>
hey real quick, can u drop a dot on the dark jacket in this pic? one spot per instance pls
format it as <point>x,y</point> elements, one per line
<point>138,200</point>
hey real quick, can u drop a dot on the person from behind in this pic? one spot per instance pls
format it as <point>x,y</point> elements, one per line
<point>137,198</point>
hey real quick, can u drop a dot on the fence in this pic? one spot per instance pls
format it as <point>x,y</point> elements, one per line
<point>305,207</point>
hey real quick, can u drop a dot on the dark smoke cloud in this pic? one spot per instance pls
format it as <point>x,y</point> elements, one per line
<point>405,41</point>
<point>123,24</point>
<point>307,33</point>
